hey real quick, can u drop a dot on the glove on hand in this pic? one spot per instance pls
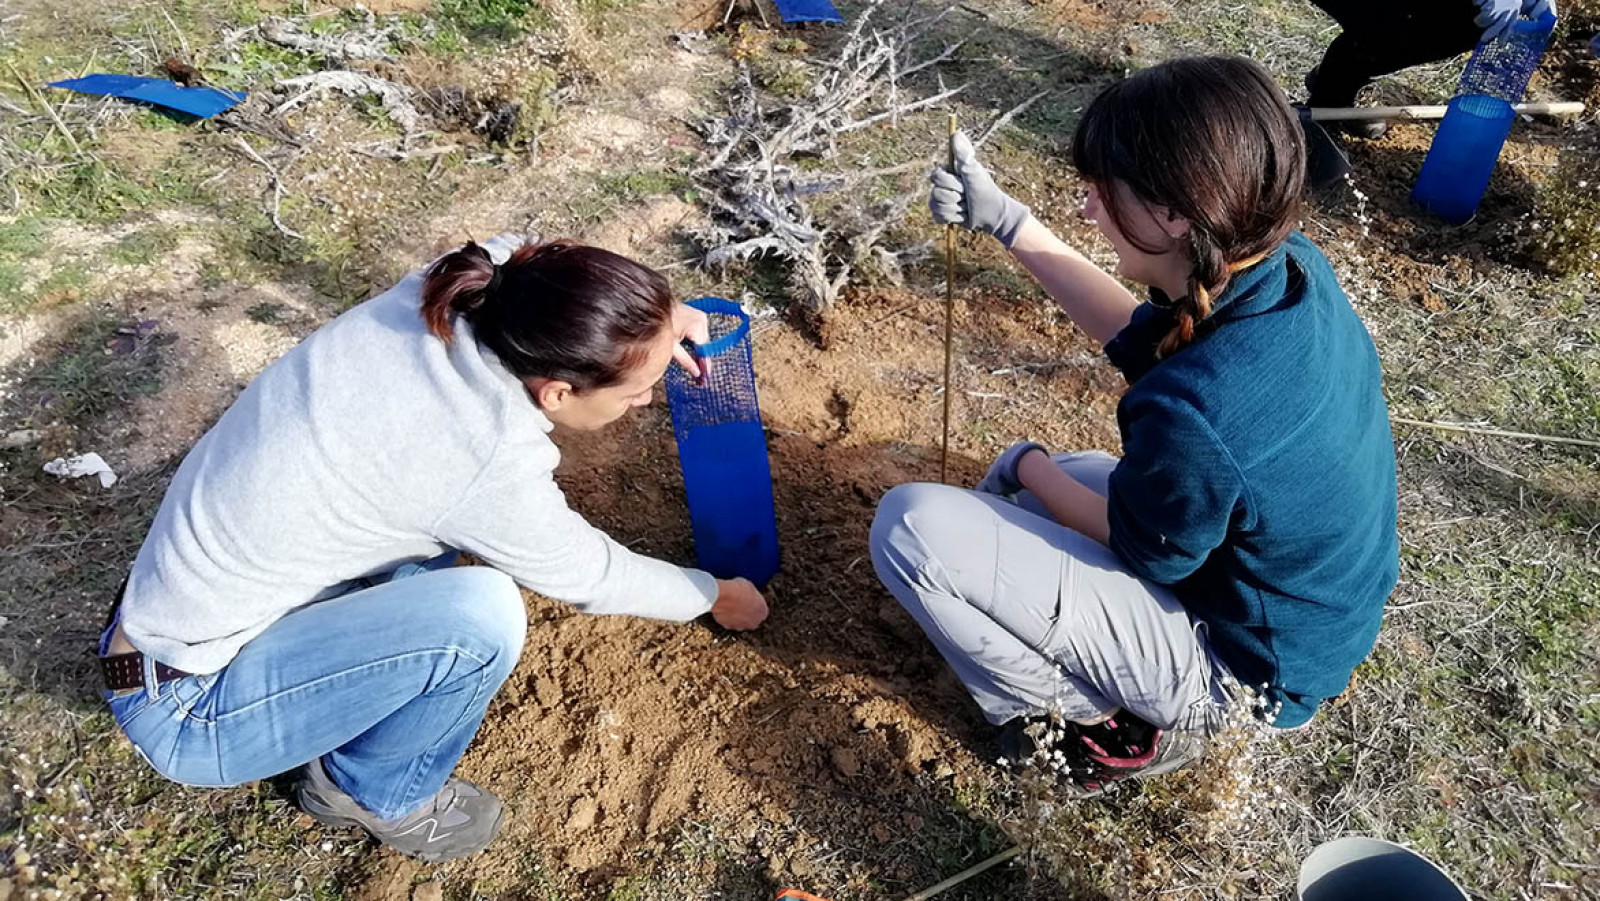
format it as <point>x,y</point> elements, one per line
<point>1497,17</point>
<point>1001,479</point>
<point>968,197</point>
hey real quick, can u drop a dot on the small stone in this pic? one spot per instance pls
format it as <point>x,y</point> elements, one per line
<point>845,761</point>
<point>582,816</point>
<point>428,891</point>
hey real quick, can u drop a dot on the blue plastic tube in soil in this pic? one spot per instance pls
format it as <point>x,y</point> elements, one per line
<point>722,449</point>
<point>1467,146</point>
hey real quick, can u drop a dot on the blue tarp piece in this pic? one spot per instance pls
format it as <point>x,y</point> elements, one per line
<point>201,102</point>
<point>722,449</point>
<point>794,11</point>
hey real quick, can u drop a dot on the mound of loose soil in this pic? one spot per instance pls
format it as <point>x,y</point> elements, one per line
<point>836,725</point>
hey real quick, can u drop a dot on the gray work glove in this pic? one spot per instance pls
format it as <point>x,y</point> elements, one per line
<point>1496,17</point>
<point>1002,478</point>
<point>968,197</point>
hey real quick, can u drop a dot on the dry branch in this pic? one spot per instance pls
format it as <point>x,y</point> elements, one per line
<point>372,44</point>
<point>396,98</point>
<point>277,186</point>
<point>38,98</point>
<point>1005,118</point>
<point>752,181</point>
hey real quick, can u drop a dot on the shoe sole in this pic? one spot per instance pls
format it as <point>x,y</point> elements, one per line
<point>1076,792</point>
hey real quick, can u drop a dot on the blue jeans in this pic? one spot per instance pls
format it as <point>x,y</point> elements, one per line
<point>386,684</point>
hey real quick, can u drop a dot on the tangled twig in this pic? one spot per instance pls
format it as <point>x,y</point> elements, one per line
<point>277,186</point>
<point>752,181</point>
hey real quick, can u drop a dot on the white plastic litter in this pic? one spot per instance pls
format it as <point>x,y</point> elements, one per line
<point>82,465</point>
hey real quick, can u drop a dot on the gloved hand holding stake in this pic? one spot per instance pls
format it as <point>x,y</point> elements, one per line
<point>1498,17</point>
<point>968,197</point>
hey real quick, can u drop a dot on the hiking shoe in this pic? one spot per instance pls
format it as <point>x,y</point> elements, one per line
<point>1046,744</point>
<point>1127,747</point>
<point>461,819</point>
<point>1367,130</point>
<point>1090,759</point>
<point>1370,130</point>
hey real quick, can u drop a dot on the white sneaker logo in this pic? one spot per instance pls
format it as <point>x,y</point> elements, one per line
<point>433,830</point>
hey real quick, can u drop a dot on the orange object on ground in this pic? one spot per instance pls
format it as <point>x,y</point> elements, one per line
<point>796,895</point>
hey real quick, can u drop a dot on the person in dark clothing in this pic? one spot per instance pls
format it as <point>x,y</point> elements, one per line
<point>1383,38</point>
<point>1110,612</point>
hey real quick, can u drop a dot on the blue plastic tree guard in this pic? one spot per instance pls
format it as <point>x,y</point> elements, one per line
<point>1467,146</point>
<point>723,452</point>
<point>201,102</point>
<point>796,11</point>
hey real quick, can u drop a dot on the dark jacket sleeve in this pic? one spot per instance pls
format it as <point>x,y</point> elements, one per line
<point>1133,350</point>
<point>1174,493</point>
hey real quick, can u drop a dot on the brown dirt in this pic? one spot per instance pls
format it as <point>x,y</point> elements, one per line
<point>644,230</point>
<point>836,725</point>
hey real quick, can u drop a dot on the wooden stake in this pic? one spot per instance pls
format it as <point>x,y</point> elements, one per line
<point>964,875</point>
<point>1494,433</point>
<point>1385,113</point>
<point>949,318</point>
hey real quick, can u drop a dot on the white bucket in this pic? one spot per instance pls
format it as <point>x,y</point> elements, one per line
<point>1369,869</point>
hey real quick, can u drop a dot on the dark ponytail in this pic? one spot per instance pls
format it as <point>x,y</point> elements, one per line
<point>558,310</point>
<point>1214,140</point>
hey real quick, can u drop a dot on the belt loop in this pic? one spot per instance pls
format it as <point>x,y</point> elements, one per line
<point>152,685</point>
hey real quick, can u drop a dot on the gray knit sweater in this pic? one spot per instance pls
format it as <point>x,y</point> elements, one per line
<point>369,445</point>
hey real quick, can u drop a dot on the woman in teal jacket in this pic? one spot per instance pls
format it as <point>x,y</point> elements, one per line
<point>1247,534</point>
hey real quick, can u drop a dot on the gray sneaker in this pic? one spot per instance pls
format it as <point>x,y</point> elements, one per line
<point>461,819</point>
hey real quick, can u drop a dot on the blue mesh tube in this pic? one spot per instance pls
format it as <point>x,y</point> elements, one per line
<point>723,452</point>
<point>1467,145</point>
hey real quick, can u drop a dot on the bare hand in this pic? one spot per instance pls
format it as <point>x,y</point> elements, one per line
<point>739,605</point>
<point>693,325</point>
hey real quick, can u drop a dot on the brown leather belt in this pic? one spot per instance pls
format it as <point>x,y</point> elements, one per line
<point>124,672</point>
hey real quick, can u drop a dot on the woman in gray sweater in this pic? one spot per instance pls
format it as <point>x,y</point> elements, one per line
<point>293,604</point>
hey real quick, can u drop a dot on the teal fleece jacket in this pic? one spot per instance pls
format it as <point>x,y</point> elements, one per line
<point>1258,476</point>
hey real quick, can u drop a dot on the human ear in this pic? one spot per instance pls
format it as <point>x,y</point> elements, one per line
<point>1174,225</point>
<point>550,394</point>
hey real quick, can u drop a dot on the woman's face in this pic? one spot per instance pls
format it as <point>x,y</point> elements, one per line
<point>1148,225</point>
<point>599,407</point>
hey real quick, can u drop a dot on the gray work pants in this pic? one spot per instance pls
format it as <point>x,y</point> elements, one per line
<point>1034,617</point>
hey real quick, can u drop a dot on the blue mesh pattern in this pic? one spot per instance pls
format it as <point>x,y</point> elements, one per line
<point>727,478</point>
<point>1501,68</point>
<point>730,394</point>
<point>1467,146</point>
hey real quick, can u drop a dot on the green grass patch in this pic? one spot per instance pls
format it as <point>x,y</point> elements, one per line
<point>639,185</point>
<point>21,238</point>
<point>94,371</point>
<point>144,246</point>
<point>500,20</point>
<point>258,63</point>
